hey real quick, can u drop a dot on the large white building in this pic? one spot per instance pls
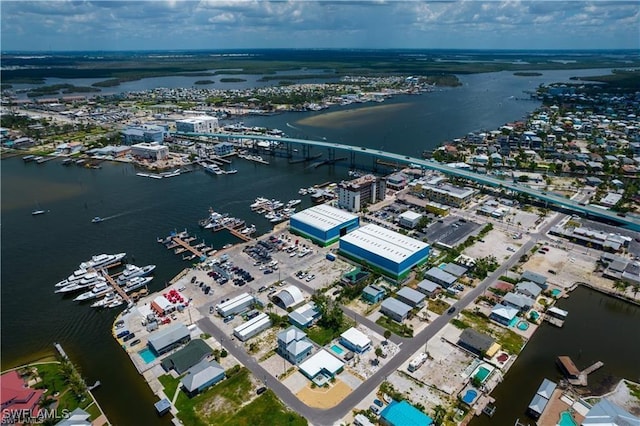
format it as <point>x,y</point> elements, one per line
<point>252,327</point>
<point>391,252</point>
<point>323,224</point>
<point>200,124</point>
<point>153,151</point>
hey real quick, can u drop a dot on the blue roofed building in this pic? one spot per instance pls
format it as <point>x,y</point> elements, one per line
<point>503,314</point>
<point>529,289</point>
<point>395,309</point>
<point>323,224</point>
<point>428,288</point>
<point>144,133</point>
<point>404,414</point>
<point>538,279</point>
<point>373,293</point>
<point>607,413</point>
<point>518,301</point>
<point>440,277</point>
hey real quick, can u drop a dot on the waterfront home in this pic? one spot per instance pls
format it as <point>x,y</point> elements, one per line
<point>478,343</point>
<point>293,345</point>
<point>538,279</point>
<point>503,314</point>
<point>16,396</point>
<point>607,413</point>
<point>519,301</point>
<point>77,417</point>
<point>541,398</point>
<point>373,293</point>
<point>355,340</point>
<point>528,288</point>
<point>168,338</point>
<point>201,376</point>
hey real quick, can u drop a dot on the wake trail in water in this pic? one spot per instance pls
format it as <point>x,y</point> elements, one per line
<point>122,214</point>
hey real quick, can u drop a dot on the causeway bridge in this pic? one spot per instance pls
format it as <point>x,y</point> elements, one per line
<point>628,221</point>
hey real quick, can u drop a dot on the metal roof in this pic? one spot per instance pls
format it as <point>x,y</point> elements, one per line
<point>395,306</point>
<point>538,403</point>
<point>532,276</point>
<point>385,243</point>
<point>253,324</point>
<point>546,388</point>
<point>356,337</point>
<point>322,360</point>
<point>201,373</point>
<point>291,334</point>
<point>606,413</point>
<point>167,336</point>
<point>290,296</point>
<point>441,275</point>
<point>410,294</point>
<point>236,301</point>
<point>428,286</point>
<point>453,269</point>
<point>323,217</point>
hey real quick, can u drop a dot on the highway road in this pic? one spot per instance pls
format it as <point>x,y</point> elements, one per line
<point>628,221</point>
<point>408,347</point>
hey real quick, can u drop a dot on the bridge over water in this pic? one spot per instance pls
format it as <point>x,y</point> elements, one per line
<point>628,221</point>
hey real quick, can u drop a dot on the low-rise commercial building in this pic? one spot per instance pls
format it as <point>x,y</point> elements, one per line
<point>445,193</point>
<point>428,288</point>
<point>144,133</point>
<point>240,303</point>
<point>288,297</point>
<point>151,151</point>
<point>253,327</point>
<point>440,277</point>
<point>168,338</point>
<point>409,219</point>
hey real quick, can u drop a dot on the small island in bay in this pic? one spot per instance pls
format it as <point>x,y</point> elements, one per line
<point>232,80</point>
<point>203,82</point>
<point>527,74</point>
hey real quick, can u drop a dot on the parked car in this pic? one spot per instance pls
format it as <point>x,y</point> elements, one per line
<point>261,390</point>
<point>228,318</point>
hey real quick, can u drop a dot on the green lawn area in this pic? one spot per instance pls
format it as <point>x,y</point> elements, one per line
<point>437,306</point>
<point>53,380</point>
<point>265,410</point>
<point>169,384</point>
<point>222,405</point>
<point>508,339</point>
<point>323,336</point>
<point>394,327</point>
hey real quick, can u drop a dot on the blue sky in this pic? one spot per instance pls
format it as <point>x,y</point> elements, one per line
<point>222,24</point>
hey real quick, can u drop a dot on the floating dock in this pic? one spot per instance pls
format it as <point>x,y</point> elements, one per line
<point>115,286</point>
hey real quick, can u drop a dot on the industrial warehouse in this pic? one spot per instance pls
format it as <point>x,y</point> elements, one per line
<point>392,253</point>
<point>323,224</point>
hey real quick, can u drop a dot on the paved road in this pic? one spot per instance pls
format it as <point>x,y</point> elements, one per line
<point>408,346</point>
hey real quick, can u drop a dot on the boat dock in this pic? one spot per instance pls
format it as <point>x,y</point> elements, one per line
<point>575,376</point>
<point>115,286</point>
<point>553,320</point>
<point>582,377</point>
<point>238,234</point>
<point>187,246</point>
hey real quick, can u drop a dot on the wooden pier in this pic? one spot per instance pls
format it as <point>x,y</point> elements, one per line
<point>582,377</point>
<point>179,241</point>
<point>238,234</point>
<point>115,286</point>
<point>553,320</point>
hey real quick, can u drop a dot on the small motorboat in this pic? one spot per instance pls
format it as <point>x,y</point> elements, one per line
<point>97,219</point>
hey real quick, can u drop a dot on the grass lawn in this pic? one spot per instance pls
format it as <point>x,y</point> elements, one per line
<point>394,327</point>
<point>508,339</point>
<point>437,306</point>
<point>320,335</point>
<point>265,410</point>
<point>218,404</point>
<point>169,384</point>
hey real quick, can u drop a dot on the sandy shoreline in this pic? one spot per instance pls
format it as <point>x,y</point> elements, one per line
<point>352,117</point>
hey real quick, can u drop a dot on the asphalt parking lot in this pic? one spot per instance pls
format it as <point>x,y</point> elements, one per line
<point>450,231</point>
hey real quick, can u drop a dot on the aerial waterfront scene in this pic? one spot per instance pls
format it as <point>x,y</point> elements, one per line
<point>320,213</point>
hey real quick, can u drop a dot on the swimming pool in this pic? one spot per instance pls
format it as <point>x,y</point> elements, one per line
<point>482,374</point>
<point>534,315</point>
<point>556,292</point>
<point>566,419</point>
<point>147,356</point>
<point>523,325</point>
<point>469,396</point>
<point>337,349</point>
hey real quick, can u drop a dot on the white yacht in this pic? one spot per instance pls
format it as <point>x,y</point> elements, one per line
<point>104,302</point>
<point>102,260</point>
<point>81,284</point>
<point>136,282</point>
<point>214,169</point>
<point>132,271</point>
<point>97,291</point>
<point>77,274</point>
